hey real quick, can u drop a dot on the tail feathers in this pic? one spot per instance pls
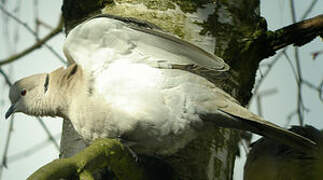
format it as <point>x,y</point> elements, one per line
<point>280,134</point>
<point>257,125</point>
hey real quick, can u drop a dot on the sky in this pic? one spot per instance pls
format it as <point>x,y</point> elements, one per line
<point>27,131</point>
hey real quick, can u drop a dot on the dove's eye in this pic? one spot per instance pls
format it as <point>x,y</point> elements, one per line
<point>23,92</point>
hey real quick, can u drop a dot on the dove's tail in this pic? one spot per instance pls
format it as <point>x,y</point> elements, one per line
<point>264,128</point>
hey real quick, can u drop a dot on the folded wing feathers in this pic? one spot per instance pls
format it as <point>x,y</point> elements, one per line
<point>204,61</point>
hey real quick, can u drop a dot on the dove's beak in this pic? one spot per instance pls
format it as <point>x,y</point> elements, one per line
<point>11,110</point>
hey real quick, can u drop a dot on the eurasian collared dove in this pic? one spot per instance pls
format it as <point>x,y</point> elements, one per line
<point>270,160</point>
<point>132,81</point>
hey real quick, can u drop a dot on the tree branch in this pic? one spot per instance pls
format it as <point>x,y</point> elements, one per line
<point>298,34</point>
<point>283,52</point>
<point>37,45</point>
<point>101,154</point>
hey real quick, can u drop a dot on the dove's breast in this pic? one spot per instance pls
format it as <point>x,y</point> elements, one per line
<point>153,108</point>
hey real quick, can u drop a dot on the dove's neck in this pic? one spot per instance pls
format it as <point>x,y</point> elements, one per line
<point>55,105</point>
<point>64,87</point>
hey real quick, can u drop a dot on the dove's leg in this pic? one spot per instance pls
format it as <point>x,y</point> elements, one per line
<point>128,145</point>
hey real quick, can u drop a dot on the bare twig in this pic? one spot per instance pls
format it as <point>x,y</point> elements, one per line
<point>257,86</point>
<point>45,25</point>
<point>6,34</point>
<point>265,74</point>
<point>10,130</point>
<point>318,88</point>
<point>309,9</point>
<point>292,67</point>
<point>321,91</point>
<point>39,42</point>
<point>289,118</point>
<point>50,136</point>
<point>261,95</point>
<point>16,30</point>
<point>300,81</point>
<point>310,85</point>
<point>300,105</point>
<point>25,25</point>
<point>5,76</point>
<point>292,9</point>
<point>32,150</point>
<point>36,16</point>
<point>5,153</point>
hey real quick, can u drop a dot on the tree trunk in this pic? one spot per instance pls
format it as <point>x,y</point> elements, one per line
<point>222,27</point>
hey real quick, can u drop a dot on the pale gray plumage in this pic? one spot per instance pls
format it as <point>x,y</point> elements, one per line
<point>125,86</point>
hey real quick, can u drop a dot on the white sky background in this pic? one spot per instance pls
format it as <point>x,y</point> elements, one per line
<point>28,132</point>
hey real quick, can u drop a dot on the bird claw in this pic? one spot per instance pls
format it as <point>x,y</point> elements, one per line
<point>133,153</point>
<point>127,144</point>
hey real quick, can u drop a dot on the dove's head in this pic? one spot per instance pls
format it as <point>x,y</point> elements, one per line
<point>45,94</point>
<point>28,95</point>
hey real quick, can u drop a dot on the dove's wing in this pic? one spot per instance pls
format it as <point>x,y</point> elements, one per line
<point>121,54</point>
<point>236,116</point>
<point>104,39</point>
